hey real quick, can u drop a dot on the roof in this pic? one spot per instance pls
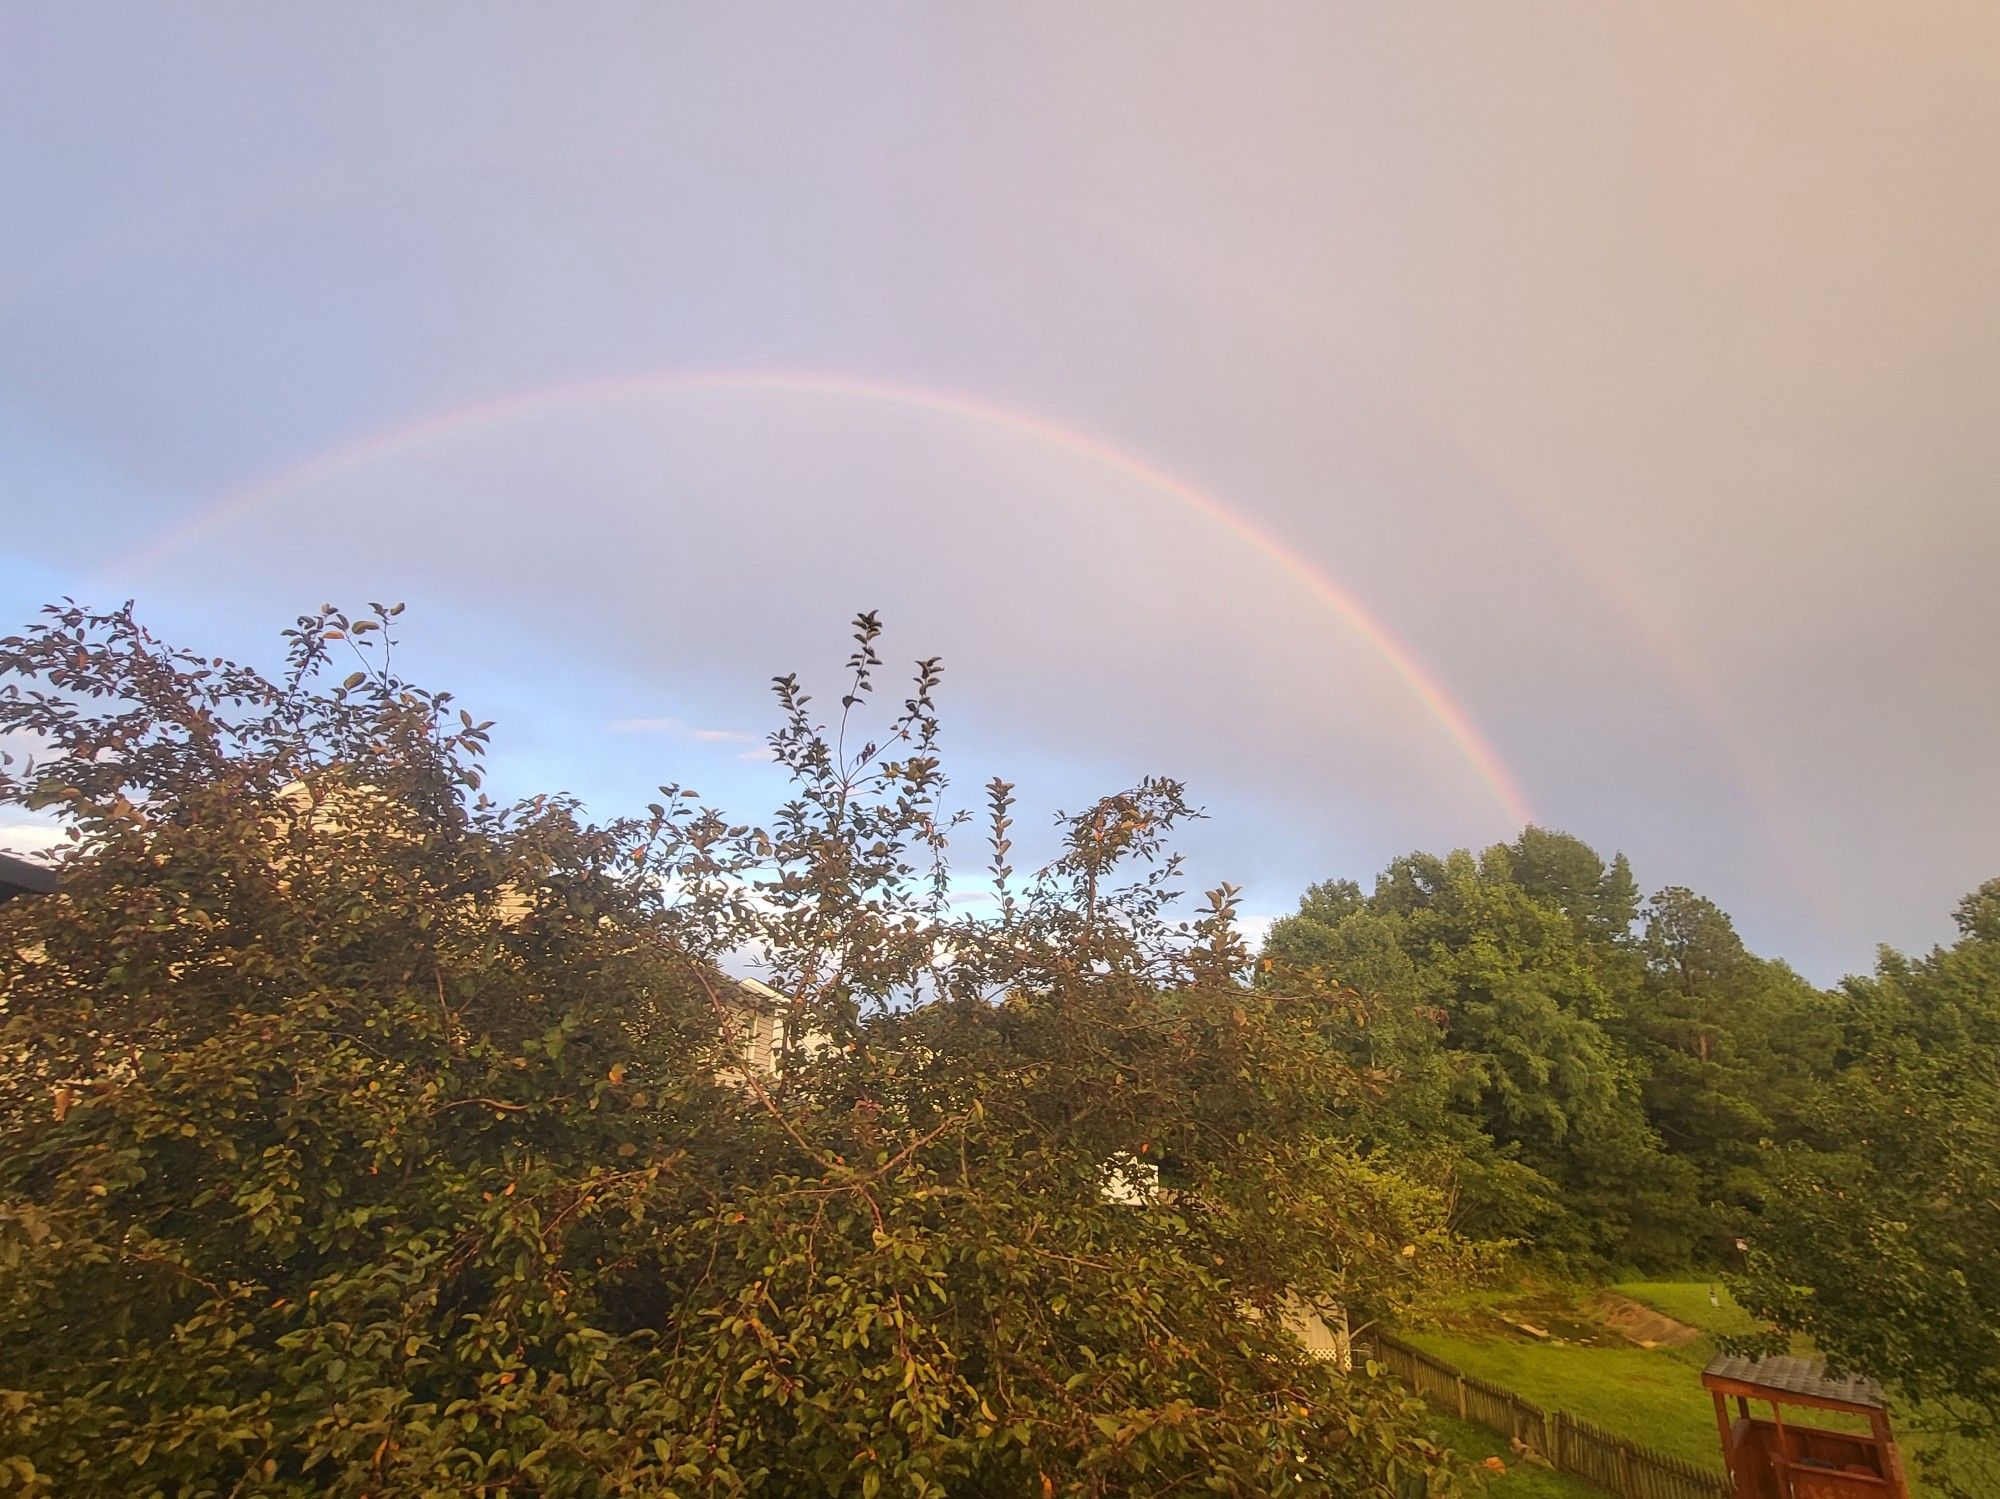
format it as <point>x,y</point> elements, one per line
<point>23,877</point>
<point>757,994</point>
<point>1805,1378</point>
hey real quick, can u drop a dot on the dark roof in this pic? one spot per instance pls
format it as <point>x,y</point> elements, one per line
<point>20,877</point>
<point>1796,1376</point>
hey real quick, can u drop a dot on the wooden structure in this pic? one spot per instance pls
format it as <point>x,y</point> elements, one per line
<point>1780,1459</point>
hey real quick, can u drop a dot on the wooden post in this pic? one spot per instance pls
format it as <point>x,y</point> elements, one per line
<point>1728,1446</point>
<point>1461,1397</point>
<point>1892,1460</point>
<point>1782,1445</point>
<point>1625,1471</point>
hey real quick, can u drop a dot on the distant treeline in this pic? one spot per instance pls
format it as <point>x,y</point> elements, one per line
<point>1602,1079</point>
<point>1617,1078</point>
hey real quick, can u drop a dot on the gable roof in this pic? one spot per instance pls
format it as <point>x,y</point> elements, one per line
<point>1804,1377</point>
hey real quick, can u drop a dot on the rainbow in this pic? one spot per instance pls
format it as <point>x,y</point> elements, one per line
<point>1053,435</point>
<point>1611,583</point>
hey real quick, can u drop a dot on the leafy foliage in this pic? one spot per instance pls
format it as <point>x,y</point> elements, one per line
<point>1730,1046</point>
<point>1615,1083</point>
<point>360,1136</point>
<point>1490,988</point>
<point>1882,1240</point>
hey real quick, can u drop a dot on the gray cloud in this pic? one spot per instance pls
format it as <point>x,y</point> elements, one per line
<point>1632,369</point>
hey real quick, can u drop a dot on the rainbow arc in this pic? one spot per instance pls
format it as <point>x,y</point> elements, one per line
<point>1422,684</point>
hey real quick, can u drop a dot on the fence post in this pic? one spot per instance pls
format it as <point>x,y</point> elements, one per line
<point>1567,1442</point>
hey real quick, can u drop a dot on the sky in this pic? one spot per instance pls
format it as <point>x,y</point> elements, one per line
<point>1398,422</point>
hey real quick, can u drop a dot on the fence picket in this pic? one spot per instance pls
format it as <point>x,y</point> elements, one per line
<point>1563,1439</point>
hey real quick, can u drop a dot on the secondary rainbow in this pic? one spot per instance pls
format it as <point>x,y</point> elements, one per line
<point>1422,684</point>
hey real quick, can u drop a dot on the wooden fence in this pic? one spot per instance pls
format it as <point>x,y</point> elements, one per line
<point>1566,1441</point>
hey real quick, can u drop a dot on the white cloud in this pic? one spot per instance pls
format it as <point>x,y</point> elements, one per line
<point>30,837</point>
<point>674,728</point>
<point>1255,928</point>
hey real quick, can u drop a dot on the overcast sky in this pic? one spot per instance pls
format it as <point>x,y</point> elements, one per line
<point>1391,419</point>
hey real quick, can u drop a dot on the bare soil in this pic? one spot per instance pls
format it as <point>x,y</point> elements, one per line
<point>1598,1319</point>
<point>1638,1323</point>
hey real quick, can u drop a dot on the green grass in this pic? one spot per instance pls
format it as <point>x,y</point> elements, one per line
<point>1687,1301</point>
<point>1650,1395</point>
<point>1522,1480</point>
<point>1653,1396</point>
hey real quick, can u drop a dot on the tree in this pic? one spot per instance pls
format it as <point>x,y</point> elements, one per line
<point>1731,1046</point>
<point>1494,992</point>
<point>1600,899</point>
<point>1881,1239</point>
<point>360,1136</point>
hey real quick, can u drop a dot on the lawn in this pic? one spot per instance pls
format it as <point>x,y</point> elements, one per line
<point>1688,1301</point>
<point>1521,1480</point>
<point>1651,1395</point>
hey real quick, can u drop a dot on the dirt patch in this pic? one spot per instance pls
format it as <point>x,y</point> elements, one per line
<point>1548,1317</point>
<point>1597,1318</point>
<point>1638,1323</point>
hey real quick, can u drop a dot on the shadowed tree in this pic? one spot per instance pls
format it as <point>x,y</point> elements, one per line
<point>1881,1237</point>
<point>1730,1045</point>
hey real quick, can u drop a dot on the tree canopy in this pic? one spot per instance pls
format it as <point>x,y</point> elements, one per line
<point>1881,1240</point>
<point>1503,978</point>
<point>359,1135</point>
<point>1608,1081</point>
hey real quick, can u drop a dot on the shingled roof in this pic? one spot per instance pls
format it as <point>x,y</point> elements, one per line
<point>1796,1376</point>
<point>21,877</point>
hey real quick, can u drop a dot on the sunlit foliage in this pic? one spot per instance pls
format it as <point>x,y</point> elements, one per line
<point>361,1136</point>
